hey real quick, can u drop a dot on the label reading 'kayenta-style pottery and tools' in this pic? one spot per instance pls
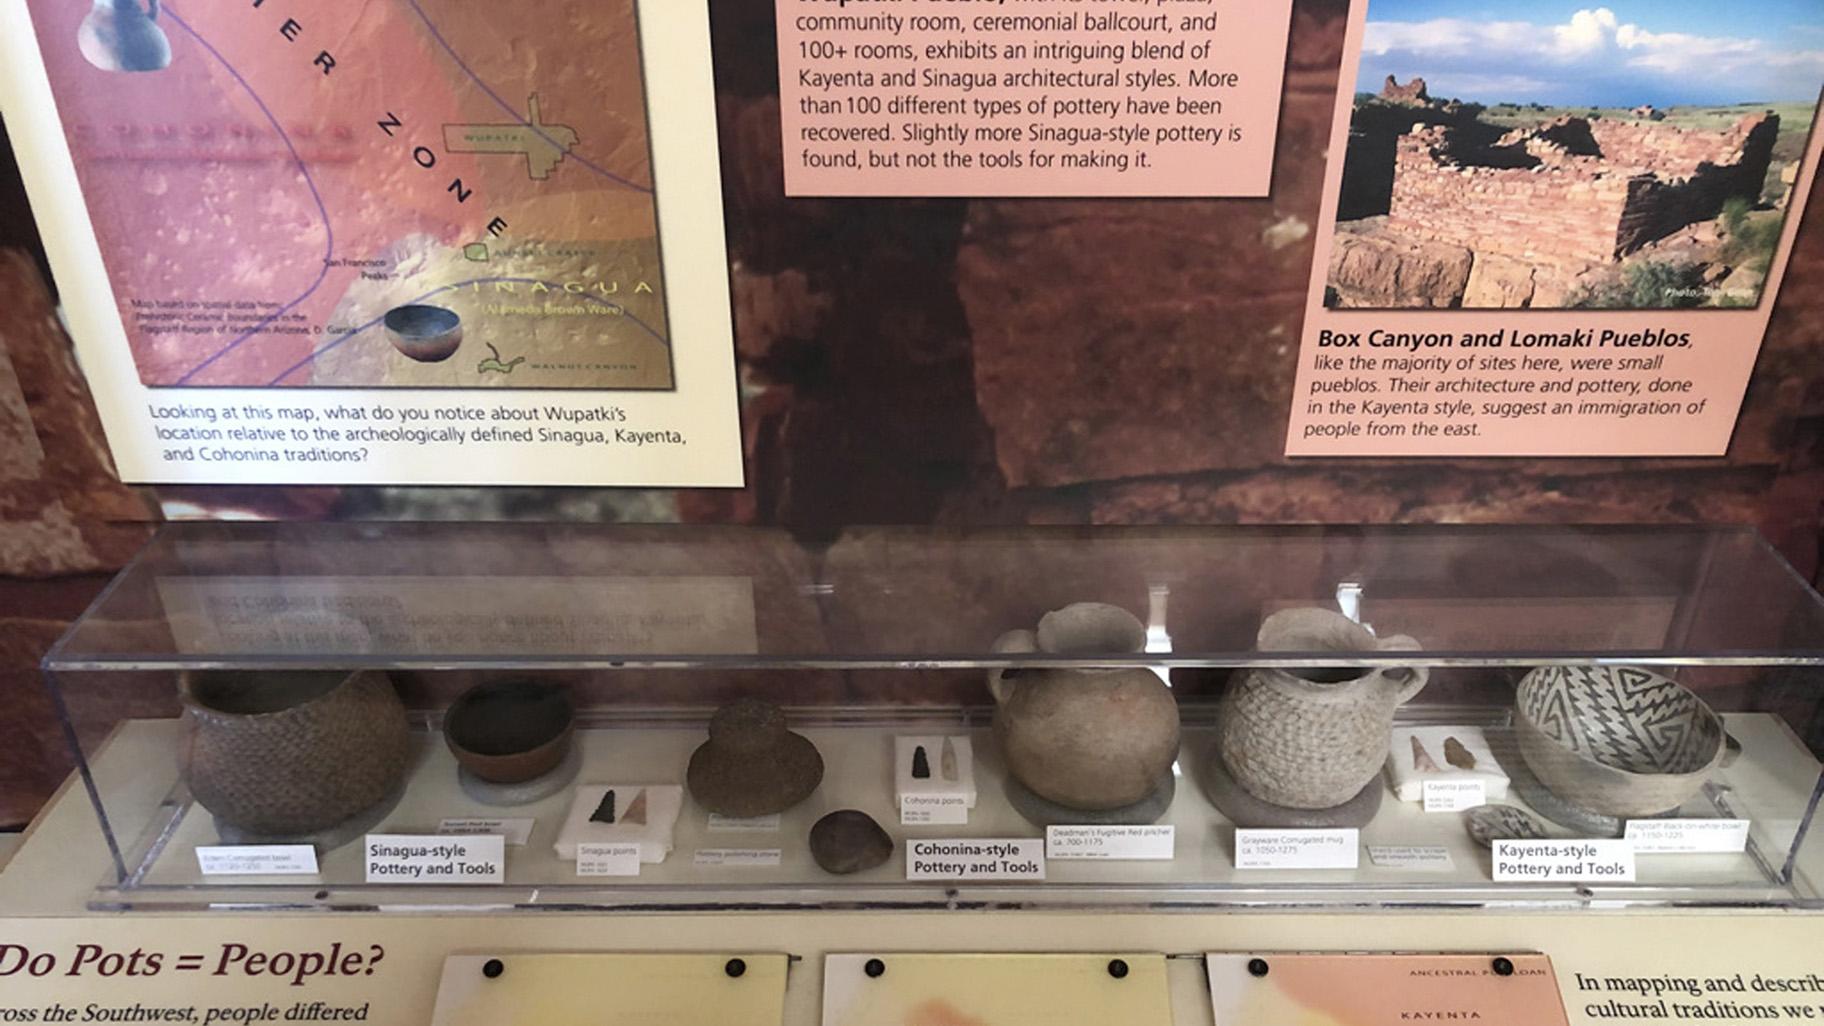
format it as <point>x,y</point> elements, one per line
<point>1593,861</point>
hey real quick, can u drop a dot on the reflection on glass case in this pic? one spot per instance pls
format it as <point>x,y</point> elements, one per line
<point>501,716</point>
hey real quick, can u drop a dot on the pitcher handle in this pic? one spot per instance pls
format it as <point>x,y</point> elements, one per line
<point>1419,675</point>
<point>1011,642</point>
<point>151,10</point>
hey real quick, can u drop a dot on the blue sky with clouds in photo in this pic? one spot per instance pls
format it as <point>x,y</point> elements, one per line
<point>1616,54</point>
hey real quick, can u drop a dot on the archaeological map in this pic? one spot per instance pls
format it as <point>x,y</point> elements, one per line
<point>351,194</point>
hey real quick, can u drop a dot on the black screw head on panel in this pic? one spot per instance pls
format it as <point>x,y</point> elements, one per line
<point>735,968</point>
<point>1504,967</point>
<point>1118,969</point>
<point>1257,967</point>
<point>875,968</point>
<point>492,968</point>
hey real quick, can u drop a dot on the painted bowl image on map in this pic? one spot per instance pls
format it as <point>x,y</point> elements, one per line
<point>428,334</point>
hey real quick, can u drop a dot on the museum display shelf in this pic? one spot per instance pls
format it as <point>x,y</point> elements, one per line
<point>879,634</point>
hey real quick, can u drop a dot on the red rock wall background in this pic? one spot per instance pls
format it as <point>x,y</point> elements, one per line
<point>950,362</point>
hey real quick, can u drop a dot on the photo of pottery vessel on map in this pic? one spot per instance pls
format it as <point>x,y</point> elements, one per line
<point>404,193</point>
<point>1638,154</point>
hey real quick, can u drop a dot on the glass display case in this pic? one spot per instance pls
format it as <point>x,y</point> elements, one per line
<point>293,715</point>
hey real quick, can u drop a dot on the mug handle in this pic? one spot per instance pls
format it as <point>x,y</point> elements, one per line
<point>1420,675</point>
<point>151,10</point>
<point>1010,642</point>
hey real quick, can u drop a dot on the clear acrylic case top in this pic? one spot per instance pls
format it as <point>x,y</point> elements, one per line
<point>240,684</point>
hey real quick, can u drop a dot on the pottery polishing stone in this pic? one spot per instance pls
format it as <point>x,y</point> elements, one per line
<point>904,751</point>
<point>1442,753</point>
<point>663,802</point>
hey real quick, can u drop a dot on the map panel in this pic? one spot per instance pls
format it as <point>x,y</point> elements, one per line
<point>353,194</point>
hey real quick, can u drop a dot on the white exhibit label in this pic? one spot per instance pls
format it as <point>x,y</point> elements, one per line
<point>621,858</point>
<point>1297,849</point>
<point>1411,856</point>
<point>1591,861</point>
<point>1688,836</point>
<point>1455,795</point>
<point>435,859</point>
<point>1114,843</point>
<point>721,824</point>
<point>933,809</point>
<point>257,860</point>
<point>1018,858</point>
<point>516,831</point>
<point>738,857</point>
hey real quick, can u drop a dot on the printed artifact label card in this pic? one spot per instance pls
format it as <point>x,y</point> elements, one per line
<point>1554,231</point>
<point>1687,836</point>
<point>1270,989</point>
<point>421,242</point>
<point>617,858</point>
<point>1112,843</point>
<point>516,831</point>
<point>1040,98</point>
<point>257,860</point>
<point>1298,849</point>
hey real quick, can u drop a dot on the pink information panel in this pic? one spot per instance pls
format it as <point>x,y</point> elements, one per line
<point>1031,98</point>
<point>1553,231</point>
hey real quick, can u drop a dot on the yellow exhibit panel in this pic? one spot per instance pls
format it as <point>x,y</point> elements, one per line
<point>995,990</point>
<point>611,990</point>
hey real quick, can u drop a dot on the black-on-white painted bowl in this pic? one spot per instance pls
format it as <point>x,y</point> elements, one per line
<point>1617,740</point>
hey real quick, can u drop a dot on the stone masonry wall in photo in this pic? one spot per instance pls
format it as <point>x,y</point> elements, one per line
<point>1574,192</point>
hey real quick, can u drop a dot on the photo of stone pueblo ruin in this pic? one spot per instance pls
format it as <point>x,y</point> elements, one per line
<point>1592,161</point>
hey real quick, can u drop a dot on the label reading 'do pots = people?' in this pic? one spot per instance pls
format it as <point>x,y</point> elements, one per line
<point>1038,98</point>
<point>435,859</point>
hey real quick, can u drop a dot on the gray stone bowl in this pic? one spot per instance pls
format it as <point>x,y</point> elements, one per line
<point>428,334</point>
<point>1618,740</point>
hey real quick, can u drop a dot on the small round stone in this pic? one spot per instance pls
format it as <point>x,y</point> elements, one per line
<point>848,842</point>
